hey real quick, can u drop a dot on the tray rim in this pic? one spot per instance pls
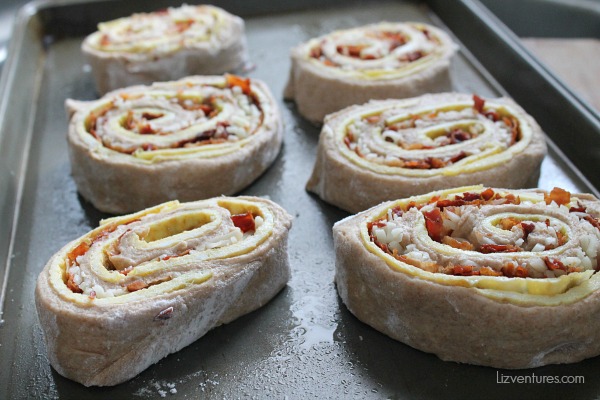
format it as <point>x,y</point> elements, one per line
<point>26,14</point>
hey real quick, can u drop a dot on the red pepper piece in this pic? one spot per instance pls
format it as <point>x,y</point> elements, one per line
<point>434,224</point>
<point>558,195</point>
<point>244,84</point>
<point>244,221</point>
<point>499,248</point>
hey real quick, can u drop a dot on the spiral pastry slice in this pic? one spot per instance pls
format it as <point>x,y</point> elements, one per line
<point>165,45</point>
<point>378,61</point>
<point>392,149</point>
<point>496,277</point>
<point>145,285</point>
<point>187,140</point>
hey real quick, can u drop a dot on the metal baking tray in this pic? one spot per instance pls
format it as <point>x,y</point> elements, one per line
<point>304,343</point>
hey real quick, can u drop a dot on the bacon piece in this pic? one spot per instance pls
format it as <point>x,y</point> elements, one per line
<point>491,114</point>
<point>436,162</point>
<point>347,141</point>
<point>434,224</point>
<point>478,103</point>
<point>424,265</point>
<point>412,204</point>
<point>512,199</point>
<point>579,208</point>
<point>126,270</point>
<point>350,50</point>
<point>562,239</point>
<point>513,124</point>
<point>185,253</point>
<point>72,285</point>
<point>244,221</point>
<point>487,271</point>
<point>417,164</point>
<point>558,195</point>
<point>595,223</point>
<point>458,135</point>
<point>412,56</point>
<point>415,146</point>
<point>463,270</point>
<point>136,285</point>
<point>146,129</point>
<point>508,223</point>
<point>462,245</point>
<point>527,229</point>
<point>450,203</point>
<point>182,26</point>
<point>397,211</point>
<point>487,194</point>
<point>316,52</point>
<point>378,224</point>
<point>207,109</point>
<point>457,157</point>
<point>554,264</point>
<point>396,39</point>
<point>373,119</point>
<point>150,116</point>
<point>512,271</point>
<point>104,40</point>
<point>499,248</point>
<point>244,84</point>
<point>470,196</point>
<point>80,250</point>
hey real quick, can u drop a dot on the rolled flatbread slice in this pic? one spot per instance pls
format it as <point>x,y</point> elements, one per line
<point>377,61</point>
<point>495,277</point>
<point>186,140</point>
<point>165,45</point>
<point>141,286</point>
<point>391,149</point>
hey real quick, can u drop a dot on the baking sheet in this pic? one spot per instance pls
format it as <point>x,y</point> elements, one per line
<point>304,343</point>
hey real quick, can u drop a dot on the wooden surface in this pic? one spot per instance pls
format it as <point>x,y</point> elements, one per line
<point>575,61</point>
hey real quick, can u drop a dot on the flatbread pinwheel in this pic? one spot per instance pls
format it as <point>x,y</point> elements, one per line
<point>391,149</point>
<point>165,45</point>
<point>190,139</point>
<point>139,287</point>
<point>495,277</point>
<point>378,61</point>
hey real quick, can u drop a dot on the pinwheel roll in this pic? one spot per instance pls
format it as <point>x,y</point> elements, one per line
<point>391,149</point>
<point>378,61</point>
<point>495,277</point>
<point>145,285</point>
<point>165,45</point>
<point>190,139</point>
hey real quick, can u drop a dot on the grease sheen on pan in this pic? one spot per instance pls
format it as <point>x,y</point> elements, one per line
<point>165,45</point>
<point>190,139</point>
<point>139,287</point>
<point>391,149</point>
<point>496,277</point>
<point>377,61</point>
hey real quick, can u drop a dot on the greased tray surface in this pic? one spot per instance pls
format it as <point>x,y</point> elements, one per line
<point>304,343</point>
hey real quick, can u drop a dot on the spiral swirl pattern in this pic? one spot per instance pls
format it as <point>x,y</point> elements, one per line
<point>395,148</point>
<point>161,32</point>
<point>220,258</point>
<point>165,45</point>
<point>198,128</point>
<point>495,233</point>
<point>496,277</point>
<point>379,51</point>
<point>378,61</point>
